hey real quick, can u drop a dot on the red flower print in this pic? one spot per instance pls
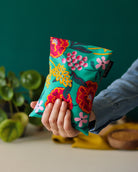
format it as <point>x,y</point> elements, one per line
<point>57,46</point>
<point>58,93</point>
<point>85,96</point>
<point>101,62</point>
<point>82,119</point>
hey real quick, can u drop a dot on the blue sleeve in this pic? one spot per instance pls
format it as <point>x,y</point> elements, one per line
<point>117,100</point>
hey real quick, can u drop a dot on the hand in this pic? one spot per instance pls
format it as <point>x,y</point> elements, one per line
<point>57,118</point>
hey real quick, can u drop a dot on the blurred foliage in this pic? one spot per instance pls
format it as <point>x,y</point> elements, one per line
<point>13,101</point>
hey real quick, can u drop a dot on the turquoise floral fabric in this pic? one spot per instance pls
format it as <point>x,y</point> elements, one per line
<point>75,70</point>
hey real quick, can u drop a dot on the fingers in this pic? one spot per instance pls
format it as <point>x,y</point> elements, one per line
<point>61,117</point>
<point>70,131</point>
<point>54,116</point>
<point>92,116</point>
<point>57,118</point>
<point>46,115</point>
<point>33,104</point>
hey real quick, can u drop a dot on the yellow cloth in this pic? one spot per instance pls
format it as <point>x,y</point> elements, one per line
<point>94,141</point>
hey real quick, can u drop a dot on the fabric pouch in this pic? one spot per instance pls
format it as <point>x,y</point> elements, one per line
<point>75,70</point>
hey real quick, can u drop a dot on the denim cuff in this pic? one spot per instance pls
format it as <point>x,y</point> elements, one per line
<point>117,100</point>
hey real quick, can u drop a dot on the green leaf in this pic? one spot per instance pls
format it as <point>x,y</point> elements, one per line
<point>22,117</point>
<point>78,79</point>
<point>3,115</point>
<point>18,99</point>
<point>6,93</point>
<point>27,109</point>
<point>2,72</point>
<point>92,64</point>
<point>39,91</point>
<point>10,130</point>
<point>13,79</point>
<point>35,121</point>
<point>54,80</point>
<point>66,91</point>
<point>31,79</point>
<point>2,82</point>
<point>81,49</point>
<point>21,73</point>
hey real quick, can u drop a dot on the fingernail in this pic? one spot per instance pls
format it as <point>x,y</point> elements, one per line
<point>49,105</point>
<point>58,101</point>
<point>49,129</point>
<point>68,111</point>
<point>64,104</point>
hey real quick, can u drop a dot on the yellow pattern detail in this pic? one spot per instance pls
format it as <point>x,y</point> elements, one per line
<point>48,80</point>
<point>102,53</point>
<point>105,50</point>
<point>62,75</point>
<point>94,48</point>
<point>52,62</point>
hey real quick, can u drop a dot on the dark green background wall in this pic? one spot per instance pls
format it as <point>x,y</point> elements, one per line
<point>26,25</point>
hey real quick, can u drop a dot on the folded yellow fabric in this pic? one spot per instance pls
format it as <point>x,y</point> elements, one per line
<point>59,139</point>
<point>94,141</point>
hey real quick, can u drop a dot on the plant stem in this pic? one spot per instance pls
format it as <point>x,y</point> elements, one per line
<point>26,104</point>
<point>17,109</point>
<point>24,92</point>
<point>1,101</point>
<point>31,94</point>
<point>11,108</point>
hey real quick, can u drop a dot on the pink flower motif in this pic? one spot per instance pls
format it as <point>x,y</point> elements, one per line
<point>101,62</point>
<point>74,52</point>
<point>38,106</point>
<point>81,119</point>
<point>68,59</point>
<point>79,57</point>
<point>85,58</point>
<point>85,65</point>
<point>81,63</point>
<point>77,65</point>
<point>70,64</point>
<point>74,61</point>
<point>63,60</point>
<point>68,54</point>
<point>73,56</point>
<point>80,68</point>
<point>72,68</point>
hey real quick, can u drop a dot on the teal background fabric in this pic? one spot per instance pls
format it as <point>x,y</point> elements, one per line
<point>26,25</point>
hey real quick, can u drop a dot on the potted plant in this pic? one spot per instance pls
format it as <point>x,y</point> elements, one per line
<point>15,95</point>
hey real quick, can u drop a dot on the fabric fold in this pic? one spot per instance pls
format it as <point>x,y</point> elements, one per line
<point>94,141</point>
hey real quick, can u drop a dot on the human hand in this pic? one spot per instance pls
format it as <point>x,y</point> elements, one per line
<point>57,118</point>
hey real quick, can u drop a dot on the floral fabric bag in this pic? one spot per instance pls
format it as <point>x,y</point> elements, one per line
<point>75,70</point>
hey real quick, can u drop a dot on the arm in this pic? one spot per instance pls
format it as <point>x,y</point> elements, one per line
<point>117,100</point>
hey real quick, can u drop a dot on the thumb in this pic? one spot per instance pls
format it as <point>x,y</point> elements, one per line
<point>33,104</point>
<point>92,116</point>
